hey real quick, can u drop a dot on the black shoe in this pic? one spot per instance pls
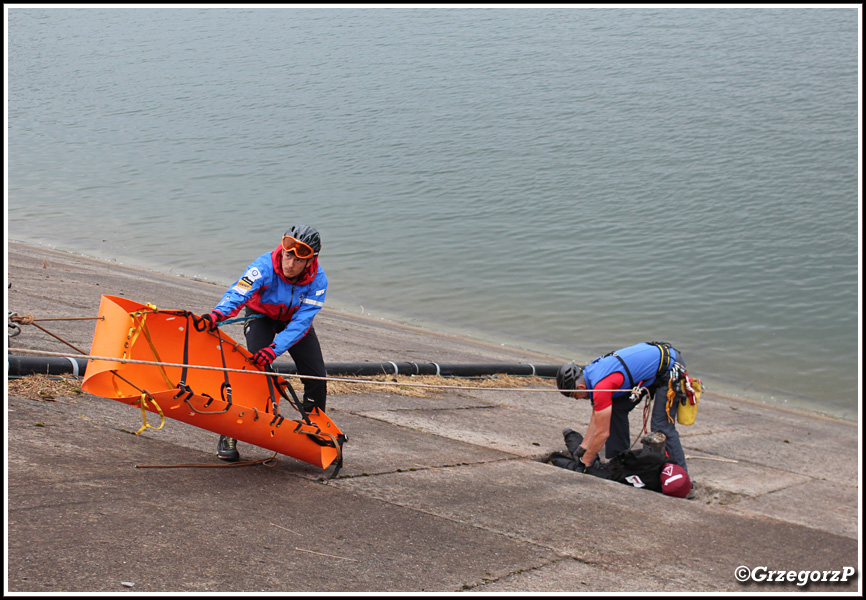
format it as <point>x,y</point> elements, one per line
<point>309,404</point>
<point>691,495</point>
<point>227,449</point>
<point>573,440</point>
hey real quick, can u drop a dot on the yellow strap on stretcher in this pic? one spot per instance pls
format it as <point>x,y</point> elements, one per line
<point>142,402</point>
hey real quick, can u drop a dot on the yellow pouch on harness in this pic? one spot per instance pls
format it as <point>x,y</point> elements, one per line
<point>686,398</point>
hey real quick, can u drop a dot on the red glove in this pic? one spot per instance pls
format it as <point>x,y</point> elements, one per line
<point>265,356</point>
<point>210,320</point>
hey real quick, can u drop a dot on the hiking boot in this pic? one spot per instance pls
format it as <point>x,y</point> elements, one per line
<point>572,441</point>
<point>227,449</point>
<point>691,495</point>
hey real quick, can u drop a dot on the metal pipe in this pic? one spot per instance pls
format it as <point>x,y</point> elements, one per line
<point>28,365</point>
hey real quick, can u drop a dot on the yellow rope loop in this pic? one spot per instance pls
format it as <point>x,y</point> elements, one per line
<point>672,396</point>
<point>142,402</point>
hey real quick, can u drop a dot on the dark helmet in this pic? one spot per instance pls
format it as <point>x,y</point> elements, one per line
<point>566,378</point>
<point>308,235</point>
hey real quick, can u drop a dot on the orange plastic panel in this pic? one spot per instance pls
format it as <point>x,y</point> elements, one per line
<point>130,330</point>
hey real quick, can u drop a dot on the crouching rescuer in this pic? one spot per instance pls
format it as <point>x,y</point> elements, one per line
<point>281,291</point>
<point>613,383</point>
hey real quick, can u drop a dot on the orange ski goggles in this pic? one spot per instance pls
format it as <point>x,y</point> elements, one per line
<point>300,249</point>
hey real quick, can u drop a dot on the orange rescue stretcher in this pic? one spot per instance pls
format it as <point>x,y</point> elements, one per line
<point>221,398</point>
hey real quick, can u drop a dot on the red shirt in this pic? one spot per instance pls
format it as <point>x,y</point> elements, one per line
<point>603,399</point>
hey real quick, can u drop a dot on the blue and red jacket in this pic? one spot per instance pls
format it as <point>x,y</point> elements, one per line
<point>264,289</point>
<point>638,365</point>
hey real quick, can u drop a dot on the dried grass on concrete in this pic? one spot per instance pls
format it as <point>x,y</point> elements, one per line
<point>424,386</point>
<point>44,387</point>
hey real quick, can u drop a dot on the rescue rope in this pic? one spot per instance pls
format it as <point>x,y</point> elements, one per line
<point>30,319</point>
<point>641,391</point>
<point>727,460</point>
<point>14,330</point>
<point>299,376</point>
<point>271,462</point>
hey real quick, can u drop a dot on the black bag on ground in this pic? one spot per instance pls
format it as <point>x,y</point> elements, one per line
<point>639,469</point>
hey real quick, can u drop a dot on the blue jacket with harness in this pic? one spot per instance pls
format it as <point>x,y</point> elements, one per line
<point>641,365</point>
<point>265,290</point>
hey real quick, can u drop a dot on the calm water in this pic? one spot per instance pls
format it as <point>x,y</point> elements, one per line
<point>565,179</point>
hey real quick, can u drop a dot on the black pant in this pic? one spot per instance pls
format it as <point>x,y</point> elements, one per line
<point>307,354</point>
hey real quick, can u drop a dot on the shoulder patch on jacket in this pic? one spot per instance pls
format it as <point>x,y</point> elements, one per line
<point>245,283</point>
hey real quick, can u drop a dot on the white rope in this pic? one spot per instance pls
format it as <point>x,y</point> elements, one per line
<point>727,460</point>
<point>275,374</point>
<point>298,376</point>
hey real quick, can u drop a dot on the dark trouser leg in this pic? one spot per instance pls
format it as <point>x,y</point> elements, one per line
<point>307,354</point>
<point>259,332</point>
<point>558,459</point>
<point>660,422</point>
<point>618,441</point>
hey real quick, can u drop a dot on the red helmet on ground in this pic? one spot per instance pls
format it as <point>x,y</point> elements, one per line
<point>675,481</point>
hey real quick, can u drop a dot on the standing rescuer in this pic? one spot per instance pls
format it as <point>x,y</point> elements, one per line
<point>282,291</point>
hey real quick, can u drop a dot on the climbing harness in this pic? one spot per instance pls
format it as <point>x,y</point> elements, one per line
<point>665,360</point>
